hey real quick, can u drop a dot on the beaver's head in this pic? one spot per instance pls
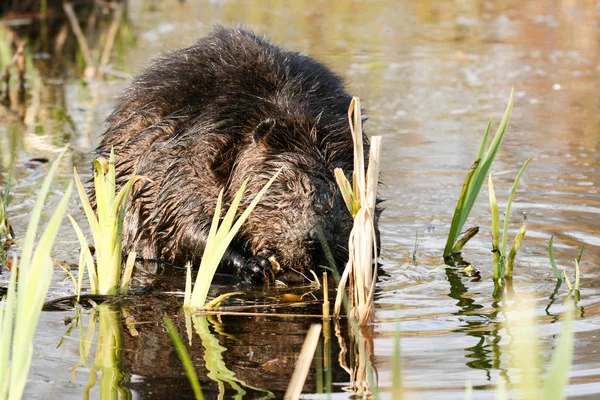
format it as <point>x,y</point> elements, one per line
<point>304,199</point>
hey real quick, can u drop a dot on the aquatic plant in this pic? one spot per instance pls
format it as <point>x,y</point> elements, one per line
<point>525,354</point>
<point>360,273</point>
<point>557,273</point>
<point>106,225</point>
<point>503,264</point>
<point>474,180</point>
<point>219,237</point>
<point>5,229</point>
<point>184,357</point>
<point>20,310</point>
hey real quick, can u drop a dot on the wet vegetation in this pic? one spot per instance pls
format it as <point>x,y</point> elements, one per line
<point>252,345</point>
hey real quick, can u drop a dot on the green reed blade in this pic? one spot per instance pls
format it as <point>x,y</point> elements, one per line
<point>566,278</point>
<point>111,174</point>
<point>103,197</point>
<point>475,179</point>
<point>464,239</point>
<point>510,263</point>
<point>215,249</point>
<point>31,295</point>
<point>184,357</point>
<point>557,273</point>
<point>126,277</point>
<point>498,273</point>
<point>187,296</point>
<point>36,213</point>
<point>486,164</point>
<point>456,226</point>
<point>230,214</point>
<point>7,306</point>
<point>558,376</point>
<point>580,254</point>
<point>509,204</point>
<point>346,191</point>
<point>577,275</point>
<point>4,226</point>
<point>216,217</point>
<point>89,211</point>
<point>483,145</point>
<point>86,259</point>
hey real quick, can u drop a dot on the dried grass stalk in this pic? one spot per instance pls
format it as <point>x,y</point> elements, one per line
<point>360,274</point>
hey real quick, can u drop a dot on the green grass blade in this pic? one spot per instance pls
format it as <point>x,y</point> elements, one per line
<point>577,275</point>
<point>7,308</point>
<point>126,278</point>
<point>230,214</point>
<point>111,174</point>
<point>187,297</point>
<point>566,278</point>
<point>510,263</point>
<point>456,225</point>
<point>4,226</point>
<point>34,219</point>
<point>184,357</point>
<point>557,273</point>
<point>32,293</point>
<point>7,189</point>
<point>216,249</point>
<point>346,190</point>
<point>495,231</point>
<point>558,375</point>
<point>216,302</point>
<point>483,145</point>
<point>509,204</point>
<point>238,224</point>
<point>580,254</point>
<point>87,208</point>
<point>103,198</point>
<point>486,163</point>
<point>216,217</point>
<point>87,255</point>
<point>468,235</point>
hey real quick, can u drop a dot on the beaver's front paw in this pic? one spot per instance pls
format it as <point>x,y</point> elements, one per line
<point>258,270</point>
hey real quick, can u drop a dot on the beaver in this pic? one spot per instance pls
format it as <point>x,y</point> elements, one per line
<point>204,118</point>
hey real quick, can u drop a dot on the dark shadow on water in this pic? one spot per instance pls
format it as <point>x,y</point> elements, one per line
<point>234,355</point>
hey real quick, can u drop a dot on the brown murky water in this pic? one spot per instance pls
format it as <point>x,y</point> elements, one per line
<point>430,74</point>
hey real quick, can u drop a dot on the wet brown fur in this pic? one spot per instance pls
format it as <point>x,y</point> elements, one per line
<point>206,117</point>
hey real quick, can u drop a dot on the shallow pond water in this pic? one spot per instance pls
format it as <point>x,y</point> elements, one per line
<point>430,75</point>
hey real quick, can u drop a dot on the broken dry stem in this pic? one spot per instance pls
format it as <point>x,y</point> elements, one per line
<point>303,364</point>
<point>360,274</point>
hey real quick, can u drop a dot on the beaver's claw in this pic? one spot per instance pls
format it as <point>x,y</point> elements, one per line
<point>258,270</point>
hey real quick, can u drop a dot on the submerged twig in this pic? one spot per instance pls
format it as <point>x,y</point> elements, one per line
<point>85,49</point>
<point>110,40</point>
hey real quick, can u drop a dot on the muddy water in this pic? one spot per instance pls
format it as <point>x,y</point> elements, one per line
<point>430,74</point>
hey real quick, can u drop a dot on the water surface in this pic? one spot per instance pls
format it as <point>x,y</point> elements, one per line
<point>430,75</point>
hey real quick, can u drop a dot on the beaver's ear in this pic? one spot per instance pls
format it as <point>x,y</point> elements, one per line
<point>262,130</point>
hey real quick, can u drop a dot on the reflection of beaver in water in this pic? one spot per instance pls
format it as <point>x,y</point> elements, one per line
<point>208,116</point>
